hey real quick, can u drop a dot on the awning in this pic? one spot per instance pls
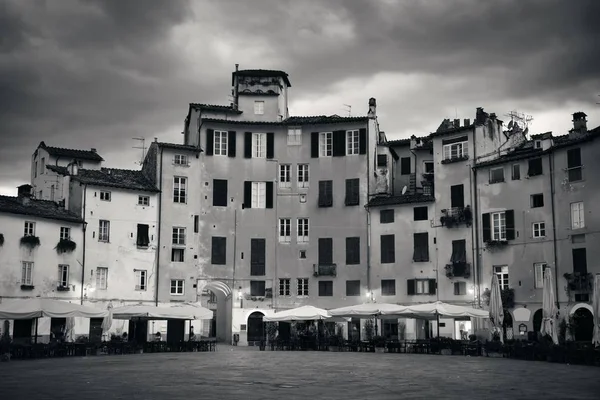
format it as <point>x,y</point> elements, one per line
<point>433,310</point>
<point>366,310</point>
<point>39,307</point>
<point>148,312</point>
<point>304,313</point>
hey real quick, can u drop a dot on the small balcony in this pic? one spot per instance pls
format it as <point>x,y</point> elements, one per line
<point>325,269</point>
<point>455,216</point>
<point>580,282</point>
<point>458,270</point>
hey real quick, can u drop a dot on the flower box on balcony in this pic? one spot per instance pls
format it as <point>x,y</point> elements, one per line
<point>455,159</point>
<point>325,269</point>
<point>455,216</point>
<point>30,241</point>
<point>63,288</point>
<point>65,246</point>
<point>579,282</point>
<point>496,244</point>
<point>458,270</point>
<point>27,287</point>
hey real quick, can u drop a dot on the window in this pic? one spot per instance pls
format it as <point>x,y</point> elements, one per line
<point>574,166</point>
<point>27,273</point>
<point>258,250</point>
<point>42,165</point>
<point>497,175</point>
<point>516,172</point>
<point>179,189</point>
<point>405,166</point>
<point>104,231</point>
<point>302,230</point>
<point>143,237</point>
<point>63,275</point>
<point>285,230</point>
<point>105,196</point>
<point>196,223</point>
<point>177,287</point>
<point>420,213</point>
<point>101,278</point>
<point>259,107</point>
<point>382,160</point>
<point>325,251</point>
<point>302,287</point>
<point>352,192</point>
<point>35,170</point>
<point>457,196</point>
<point>259,145</point>
<point>285,175</point>
<point>294,136</point>
<point>52,192</point>
<point>455,150</point>
<point>535,167</point>
<point>257,288</point>
<point>538,144</point>
<point>220,143</point>
<point>140,279</point>
<point>537,200</point>
<point>498,226</point>
<point>388,287</point>
<point>325,144</point>
<point>29,228</point>
<point>352,288</point>
<point>179,236</point>
<point>460,288</point>
<point>218,250</point>
<point>259,195</point>
<point>539,229</point>
<point>325,288</point>
<point>579,260</point>
<point>386,216</point>
<point>284,287</point>
<point>302,254</point>
<point>325,193</point>
<point>421,286</point>
<point>303,175</point>
<point>502,272</point>
<point>538,269</point>
<point>421,247</point>
<point>143,200</point>
<point>388,249</point>
<point>577,215</point>
<point>428,166</point>
<point>180,159</point>
<point>352,140</point>
<point>65,233</point>
<point>352,250</point>
<point>178,249</point>
<point>219,193</point>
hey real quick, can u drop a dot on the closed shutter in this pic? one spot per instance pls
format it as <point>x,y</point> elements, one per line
<point>269,194</point>
<point>325,193</point>
<point>405,166</point>
<point>486,227</point>
<point>231,143</point>
<point>353,250</point>
<point>247,144</point>
<point>580,260</point>
<point>410,287</point>
<point>388,249</point>
<point>325,251</point>
<point>339,143</point>
<point>362,141</point>
<point>247,195</point>
<point>421,247</point>
<point>574,158</point>
<point>257,257</point>
<point>219,250</point>
<point>314,144</point>
<point>432,286</point>
<point>270,145</point>
<point>457,196</point>
<point>510,224</point>
<point>219,193</point>
<point>210,142</point>
<point>142,235</point>
<point>352,196</point>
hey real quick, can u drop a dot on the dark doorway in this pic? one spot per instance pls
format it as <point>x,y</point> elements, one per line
<point>22,328</point>
<point>57,328</point>
<point>583,322</point>
<point>285,330</point>
<point>175,331</point>
<point>138,331</point>
<point>95,330</point>
<point>507,326</point>
<point>255,327</point>
<point>354,330</point>
<point>213,326</point>
<point>390,329</point>
<point>537,320</point>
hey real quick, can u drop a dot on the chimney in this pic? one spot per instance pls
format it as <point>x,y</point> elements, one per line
<point>480,116</point>
<point>467,122</point>
<point>457,123</point>
<point>73,168</point>
<point>236,87</point>
<point>24,193</point>
<point>372,108</point>
<point>580,122</point>
<point>93,150</point>
<point>493,116</point>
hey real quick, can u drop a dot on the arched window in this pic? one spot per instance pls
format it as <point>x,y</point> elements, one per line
<point>537,320</point>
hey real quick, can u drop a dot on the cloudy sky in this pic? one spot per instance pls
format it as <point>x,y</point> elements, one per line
<point>84,74</point>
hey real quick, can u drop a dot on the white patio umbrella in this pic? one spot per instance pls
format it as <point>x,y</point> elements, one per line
<point>366,310</point>
<point>108,320</point>
<point>496,312</point>
<point>38,307</point>
<point>596,311</point>
<point>149,312</point>
<point>549,309</point>
<point>434,310</point>
<point>196,310</point>
<point>70,329</point>
<point>304,313</point>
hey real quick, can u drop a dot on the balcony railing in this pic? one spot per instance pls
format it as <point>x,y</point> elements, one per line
<point>458,270</point>
<point>455,216</point>
<point>325,269</point>
<point>578,282</point>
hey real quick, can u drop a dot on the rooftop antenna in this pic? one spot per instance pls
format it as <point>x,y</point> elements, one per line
<point>521,120</point>
<point>348,108</point>
<point>143,147</point>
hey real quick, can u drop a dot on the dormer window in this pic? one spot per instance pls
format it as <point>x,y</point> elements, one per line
<point>259,107</point>
<point>538,144</point>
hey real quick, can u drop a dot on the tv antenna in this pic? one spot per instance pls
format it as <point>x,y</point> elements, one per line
<point>520,119</point>
<point>143,147</point>
<point>348,108</point>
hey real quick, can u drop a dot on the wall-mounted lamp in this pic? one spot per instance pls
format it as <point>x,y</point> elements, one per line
<point>370,296</point>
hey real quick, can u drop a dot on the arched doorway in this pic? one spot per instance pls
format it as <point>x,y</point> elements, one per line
<point>256,331</point>
<point>583,325</point>
<point>537,320</point>
<point>216,296</point>
<point>507,326</point>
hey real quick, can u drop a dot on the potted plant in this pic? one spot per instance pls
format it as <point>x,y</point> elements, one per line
<point>271,330</point>
<point>65,246</point>
<point>379,342</point>
<point>30,241</point>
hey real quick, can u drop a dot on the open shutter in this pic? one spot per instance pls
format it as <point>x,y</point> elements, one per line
<point>247,195</point>
<point>510,224</point>
<point>432,286</point>
<point>314,144</point>
<point>210,142</point>
<point>231,144</point>
<point>362,141</point>
<point>270,145</point>
<point>247,144</point>
<point>410,287</point>
<point>269,195</point>
<point>487,228</point>
<point>339,143</point>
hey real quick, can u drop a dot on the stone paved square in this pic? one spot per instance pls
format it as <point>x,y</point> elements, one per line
<point>246,373</point>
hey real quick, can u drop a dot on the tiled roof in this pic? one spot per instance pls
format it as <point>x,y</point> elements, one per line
<point>71,153</point>
<point>399,142</point>
<point>452,130</point>
<point>215,107</point>
<point>176,146</point>
<point>110,177</point>
<point>37,208</point>
<point>542,136</point>
<point>402,199</point>
<point>314,120</point>
<point>262,73</point>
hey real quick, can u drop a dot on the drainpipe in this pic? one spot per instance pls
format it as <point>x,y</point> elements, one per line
<point>84,246</point>
<point>552,206</point>
<point>159,228</point>
<point>368,210</point>
<point>475,228</point>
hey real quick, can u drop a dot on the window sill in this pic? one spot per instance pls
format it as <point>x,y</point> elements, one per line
<point>140,290</point>
<point>285,241</point>
<point>176,294</point>
<point>325,206</point>
<point>143,247</point>
<point>27,287</point>
<point>181,165</point>
<point>498,181</point>
<point>63,288</point>
<point>352,204</point>
<point>104,241</point>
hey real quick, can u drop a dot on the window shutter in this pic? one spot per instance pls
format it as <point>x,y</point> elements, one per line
<point>510,224</point>
<point>410,287</point>
<point>210,142</point>
<point>339,143</point>
<point>362,141</point>
<point>352,198</point>
<point>142,235</point>
<point>579,260</point>
<point>487,228</point>
<point>270,145</point>
<point>257,257</point>
<point>574,158</point>
<point>219,193</point>
<point>456,288</point>
<point>353,250</point>
<point>457,196</point>
<point>405,166</point>
<point>231,136</point>
<point>432,286</point>
<point>459,251</point>
<point>269,195</point>
<point>247,144</point>
<point>325,251</point>
<point>247,195</point>
<point>314,144</point>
